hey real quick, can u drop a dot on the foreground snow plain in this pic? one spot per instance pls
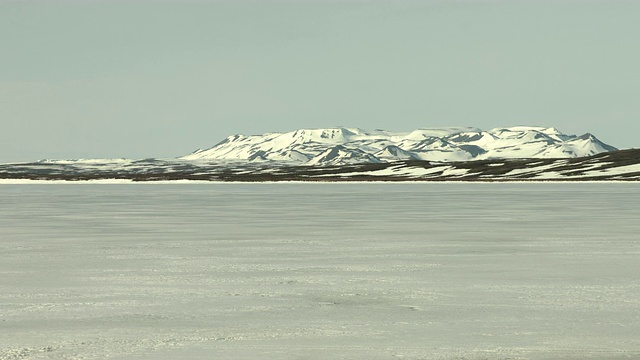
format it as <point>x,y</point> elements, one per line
<point>320,271</point>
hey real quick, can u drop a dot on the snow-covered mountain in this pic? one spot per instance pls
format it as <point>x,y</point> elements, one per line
<point>341,145</point>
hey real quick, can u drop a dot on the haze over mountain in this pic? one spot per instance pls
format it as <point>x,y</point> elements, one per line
<point>341,145</point>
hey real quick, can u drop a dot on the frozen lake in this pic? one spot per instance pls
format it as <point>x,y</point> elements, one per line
<point>320,271</point>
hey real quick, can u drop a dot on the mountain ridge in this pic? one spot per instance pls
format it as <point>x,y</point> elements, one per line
<point>521,153</point>
<point>343,145</point>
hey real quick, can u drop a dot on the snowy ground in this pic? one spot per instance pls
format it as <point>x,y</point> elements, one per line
<point>320,271</point>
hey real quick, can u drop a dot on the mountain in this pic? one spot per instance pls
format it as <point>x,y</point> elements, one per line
<point>336,146</point>
<point>522,153</point>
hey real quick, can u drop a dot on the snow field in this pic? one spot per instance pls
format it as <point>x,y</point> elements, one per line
<point>316,271</point>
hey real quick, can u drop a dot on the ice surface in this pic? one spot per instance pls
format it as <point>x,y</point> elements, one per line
<point>320,271</point>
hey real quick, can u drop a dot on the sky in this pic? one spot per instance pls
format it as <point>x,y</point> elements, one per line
<point>140,79</point>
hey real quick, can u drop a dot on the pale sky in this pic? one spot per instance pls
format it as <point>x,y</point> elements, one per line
<point>86,79</point>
